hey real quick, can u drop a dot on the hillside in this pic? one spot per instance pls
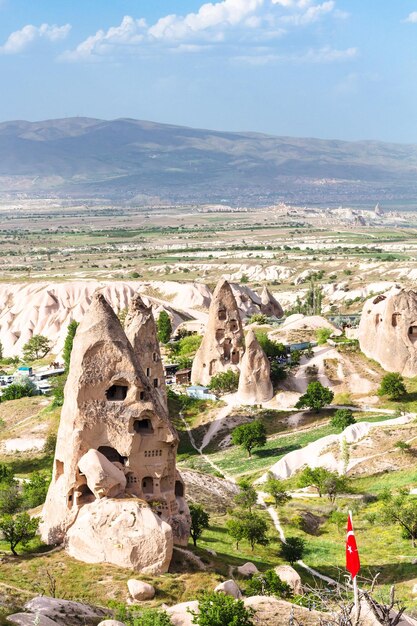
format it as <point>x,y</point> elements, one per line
<point>125,158</point>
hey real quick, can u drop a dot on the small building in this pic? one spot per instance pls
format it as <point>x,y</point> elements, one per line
<point>200,393</point>
<point>25,370</point>
<point>183,377</point>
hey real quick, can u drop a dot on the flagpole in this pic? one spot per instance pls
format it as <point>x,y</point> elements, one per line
<point>355,584</point>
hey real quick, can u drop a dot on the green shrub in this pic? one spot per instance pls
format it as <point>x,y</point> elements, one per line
<point>217,609</point>
<point>342,419</point>
<point>268,584</point>
<point>293,550</point>
<point>225,382</point>
<point>15,391</point>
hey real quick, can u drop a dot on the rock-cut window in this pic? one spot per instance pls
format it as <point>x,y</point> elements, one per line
<point>117,392</point>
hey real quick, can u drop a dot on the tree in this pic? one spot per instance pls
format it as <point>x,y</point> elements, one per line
<point>316,397</point>
<point>247,496</point>
<point>218,609</point>
<point>164,327</point>
<point>225,382</point>
<point>268,584</point>
<point>249,436</point>
<point>277,373</point>
<point>271,348</point>
<point>19,529</point>
<point>293,550</point>
<point>35,489</point>
<point>199,521</point>
<point>316,478</point>
<point>69,341</point>
<point>322,335</point>
<point>335,485</point>
<point>274,488</point>
<point>393,386</point>
<point>6,473</point>
<point>258,318</point>
<point>36,348</point>
<point>249,526</point>
<point>342,419</point>
<point>15,391</point>
<point>402,510</point>
<point>10,499</point>
<point>1,350</point>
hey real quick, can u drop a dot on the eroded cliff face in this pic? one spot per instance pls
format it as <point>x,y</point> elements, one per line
<point>255,384</point>
<point>388,331</point>
<point>115,442</point>
<point>222,347</point>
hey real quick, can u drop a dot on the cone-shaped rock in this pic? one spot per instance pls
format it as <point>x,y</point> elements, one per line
<point>388,331</point>
<point>140,329</point>
<point>269,305</point>
<point>111,414</point>
<point>255,384</point>
<point>223,343</point>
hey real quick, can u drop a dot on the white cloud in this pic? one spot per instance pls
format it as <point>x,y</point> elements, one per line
<point>311,14</point>
<point>412,18</point>
<point>328,55</point>
<point>320,55</point>
<point>20,40</point>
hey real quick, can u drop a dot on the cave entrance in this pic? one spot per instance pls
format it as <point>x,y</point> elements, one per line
<point>111,454</point>
<point>412,333</point>
<point>179,489</point>
<point>117,392</point>
<point>84,495</point>
<point>143,427</point>
<point>147,485</point>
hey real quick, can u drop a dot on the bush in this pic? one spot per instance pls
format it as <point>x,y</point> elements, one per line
<point>322,335</point>
<point>293,550</point>
<point>136,616</point>
<point>217,609</point>
<point>268,584</point>
<point>277,374</point>
<point>15,391</point>
<point>392,385</point>
<point>34,490</point>
<point>10,499</point>
<point>186,346</point>
<point>271,348</point>
<point>342,419</point>
<point>258,318</point>
<point>225,382</point>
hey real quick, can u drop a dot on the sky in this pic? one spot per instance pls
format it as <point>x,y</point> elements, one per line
<point>333,69</point>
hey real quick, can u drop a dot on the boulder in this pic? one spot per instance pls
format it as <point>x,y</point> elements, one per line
<point>290,576</point>
<point>125,532</point>
<point>272,611</point>
<point>103,478</point>
<point>229,588</point>
<point>248,569</point>
<point>28,619</point>
<point>63,612</point>
<point>140,590</point>
<point>180,613</point>
<point>223,342</point>
<point>255,384</point>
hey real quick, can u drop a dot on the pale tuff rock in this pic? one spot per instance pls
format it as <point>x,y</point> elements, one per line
<point>140,329</point>
<point>223,343</point>
<point>180,613</point>
<point>388,331</point>
<point>248,569</point>
<point>62,612</point>
<point>29,619</point>
<point>255,384</point>
<point>140,590</point>
<point>111,622</point>
<point>290,576</point>
<point>111,410</point>
<point>229,588</point>
<point>269,305</point>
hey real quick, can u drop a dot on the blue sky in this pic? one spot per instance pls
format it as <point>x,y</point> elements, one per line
<point>343,69</point>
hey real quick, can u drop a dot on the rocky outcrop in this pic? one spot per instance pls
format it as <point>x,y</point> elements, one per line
<point>388,331</point>
<point>247,569</point>
<point>269,305</point>
<point>255,384</point>
<point>140,329</point>
<point>60,612</point>
<point>111,410</point>
<point>223,343</point>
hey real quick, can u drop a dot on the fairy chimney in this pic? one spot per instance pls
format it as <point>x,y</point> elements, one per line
<point>115,494</point>
<point>269,305</point>
<point>140,329</point>
<point>223,343</point>
<point>388,331</point>
<point>255,384</point>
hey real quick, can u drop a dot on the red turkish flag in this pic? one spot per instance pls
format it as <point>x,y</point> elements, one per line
<point>352,555</point>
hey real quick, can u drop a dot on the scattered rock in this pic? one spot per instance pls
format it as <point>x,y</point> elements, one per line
<point>229,588</point>
<point>63,612</point>
<point>255,384</point>
<point>140,590</point>
<point>180,615</point>
<point>248,569</point>
<point>270,611</point>
<point>290,576</point>
<point>212,552</point>
<point>28,619</point>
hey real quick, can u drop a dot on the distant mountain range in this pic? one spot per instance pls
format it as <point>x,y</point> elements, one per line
<point>138,161</point>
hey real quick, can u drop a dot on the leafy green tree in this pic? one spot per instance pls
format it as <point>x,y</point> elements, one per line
<point>6,473</point>
<point>402,510</point>
<point>271,348</point>
<point>342,419</point>
<point>164,327</point>
<point>393,386</point>
<point>247,496</point>
<point>277,373</point>
<point>258,318</point>
<point>218,609</point>
<point>248,526</point>
<point>334,485</point>
<point>34,490</point>
<point>36,348</point>
<point>19,529</point>
<point>15,391</point>
<point>316,478</point>
<point>69,341</point>
<point>322,335</point>
<point>225,382</point>
<point>10,499</point>
<point>268,584</point>
<point>293,550</point>
<point>249,436</point>
<point>274,488</point>
<point>186,346</point>
<point>199,521</point>
<point>316,397</point>
<point>295,358</point>
<point>58,385</point>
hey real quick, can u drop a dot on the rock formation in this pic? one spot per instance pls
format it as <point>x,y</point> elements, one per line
<point>388,331</point>
<point>269,305</point>
<point>255,384</point>
<point>115,494</point>
<point>140,329</point>
<point>223,343</point>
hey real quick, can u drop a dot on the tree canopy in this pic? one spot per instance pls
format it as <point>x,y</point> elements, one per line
<point>164,327</point>
<point>199,521</point>
<point>316,397</point>
<point>393,386</point>
<point>36,348</point>
<point>249,436</point>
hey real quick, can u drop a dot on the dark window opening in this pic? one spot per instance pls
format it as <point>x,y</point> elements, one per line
<point>412,333</point>
<point>219,334</point>
<point>235,357</point>
<point>222,315</point>
<point>84,495</point>
<point>379,299</point>
<point>179,489</point>
<point>112,455</point>
<point>116,393</point>
<point>147,485</point>
<point>395,319</point>
<point>142,395</point>
<point>59,468</point>
<point>148,371</point>
<point>155,383</point>
<point>155,357</point>
<point>143,426</point>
